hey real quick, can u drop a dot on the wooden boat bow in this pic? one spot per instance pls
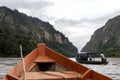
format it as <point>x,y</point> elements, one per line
<point>44,63</point>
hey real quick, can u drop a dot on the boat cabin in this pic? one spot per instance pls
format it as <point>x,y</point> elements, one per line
<point>86,56</point>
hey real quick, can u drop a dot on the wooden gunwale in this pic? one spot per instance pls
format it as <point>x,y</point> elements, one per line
<point>57,67</point>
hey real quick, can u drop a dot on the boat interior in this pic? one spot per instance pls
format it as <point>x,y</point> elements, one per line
<point>44,63</point>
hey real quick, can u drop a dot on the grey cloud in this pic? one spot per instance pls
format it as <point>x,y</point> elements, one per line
<point>103,19</point>
<point>99,21</point>
<point>30,4</point>
<point>37,8</point>
<point>76,23</point>
<point>66,22</point>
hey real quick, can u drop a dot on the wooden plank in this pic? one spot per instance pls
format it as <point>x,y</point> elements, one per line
<point>87,75</point>
<point>65,74</point>
<point>42,76</point>
<point>51,75</point>
<point>44,59</point>
<point>31,67</point>
<point>11,77</point>
<point>74,66</point>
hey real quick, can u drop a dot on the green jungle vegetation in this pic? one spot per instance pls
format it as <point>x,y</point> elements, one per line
<point>112,48</point>
<point>17,28</point>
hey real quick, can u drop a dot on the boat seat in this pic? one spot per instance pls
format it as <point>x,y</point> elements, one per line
<point>53,75</point>
<point>44,59</point>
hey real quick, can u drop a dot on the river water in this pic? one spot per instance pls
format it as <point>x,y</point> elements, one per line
<point>112,69</point>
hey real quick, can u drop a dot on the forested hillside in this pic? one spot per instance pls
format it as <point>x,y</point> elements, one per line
<point>106,39</point>
<point>17,28</point>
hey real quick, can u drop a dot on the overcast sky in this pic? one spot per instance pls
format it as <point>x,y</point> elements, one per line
<point>77,19</point>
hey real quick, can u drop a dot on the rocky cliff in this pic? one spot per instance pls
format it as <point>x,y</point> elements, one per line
<point>106,39</point>
<point>18,28</point>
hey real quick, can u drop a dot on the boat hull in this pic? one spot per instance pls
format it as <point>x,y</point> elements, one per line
<point>44,63</point>
<point>92,62</point>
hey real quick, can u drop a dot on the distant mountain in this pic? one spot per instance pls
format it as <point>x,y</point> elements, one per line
<point>18,28</point>
<point>106,39</point>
